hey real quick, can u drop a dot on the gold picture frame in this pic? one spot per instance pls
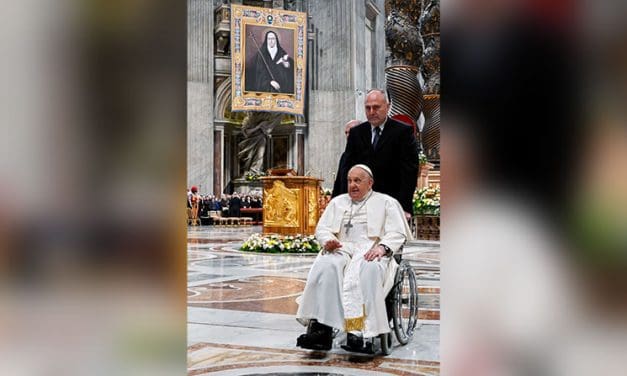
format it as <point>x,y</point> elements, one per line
<point>268,59</point>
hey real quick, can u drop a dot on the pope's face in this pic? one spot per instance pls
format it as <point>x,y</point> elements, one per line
<point>271,40</point>
<point>359,184</point>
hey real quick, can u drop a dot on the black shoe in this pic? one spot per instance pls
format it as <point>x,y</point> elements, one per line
<point>319,337</point>
<point>313,342</point>
<point>354,341</point>
<point>356,344</point>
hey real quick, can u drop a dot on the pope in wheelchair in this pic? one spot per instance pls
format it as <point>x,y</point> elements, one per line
<point>346,289</point>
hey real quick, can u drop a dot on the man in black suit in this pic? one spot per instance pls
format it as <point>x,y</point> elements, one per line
<point>388,147</point>
<point>235,205</point>
<point>341,181</point>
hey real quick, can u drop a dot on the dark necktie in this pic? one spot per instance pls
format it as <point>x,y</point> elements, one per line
<point>377,132</point>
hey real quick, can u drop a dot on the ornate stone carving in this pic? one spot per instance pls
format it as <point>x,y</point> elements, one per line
<point>430,31</point>
<point>404,54</point>
<point>430,69</point>
<point>404,43</point>
<point>412,32</point>
<point>291,5</point>
<point>281,206</point>
<point>222,30</point>
<point>256,128</point>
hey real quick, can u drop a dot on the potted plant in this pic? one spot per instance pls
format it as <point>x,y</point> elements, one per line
<point>427,213</point>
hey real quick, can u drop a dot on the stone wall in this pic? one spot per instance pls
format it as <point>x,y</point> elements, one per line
<point>337,84</point>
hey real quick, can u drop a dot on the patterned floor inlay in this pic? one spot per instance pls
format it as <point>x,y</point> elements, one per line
<point>262,294</point>
<point>206,358</point>
<point>241,313</point>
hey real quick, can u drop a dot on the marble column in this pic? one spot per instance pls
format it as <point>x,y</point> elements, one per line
<point>404,56</point>
<point>200,109</point>
<point>218,158</point>
<point>430,68</point>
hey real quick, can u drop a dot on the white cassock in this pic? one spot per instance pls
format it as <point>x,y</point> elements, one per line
<point>343,290</point>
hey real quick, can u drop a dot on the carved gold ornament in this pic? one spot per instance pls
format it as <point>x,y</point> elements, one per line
<point>312,207</point>
<point>281,206</point>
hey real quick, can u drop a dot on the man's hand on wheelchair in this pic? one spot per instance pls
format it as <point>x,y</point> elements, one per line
<point>332,245</point>
<point>375,253</point>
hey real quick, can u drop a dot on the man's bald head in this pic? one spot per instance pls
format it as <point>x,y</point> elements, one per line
<point>349,125</point>
<point>377,107</point>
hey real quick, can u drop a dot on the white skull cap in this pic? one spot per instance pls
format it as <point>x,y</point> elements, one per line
<point>363,167</point>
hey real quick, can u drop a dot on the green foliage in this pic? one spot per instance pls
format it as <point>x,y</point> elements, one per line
<point>253,175</point>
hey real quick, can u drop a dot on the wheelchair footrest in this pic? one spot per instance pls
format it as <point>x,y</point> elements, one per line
<point>368,348</point>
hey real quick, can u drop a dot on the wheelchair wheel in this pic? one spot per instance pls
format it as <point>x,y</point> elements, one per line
<point>386,343</point>
<point>405,303</point>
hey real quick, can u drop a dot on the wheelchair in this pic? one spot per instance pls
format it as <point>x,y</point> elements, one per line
<point>401,304</point>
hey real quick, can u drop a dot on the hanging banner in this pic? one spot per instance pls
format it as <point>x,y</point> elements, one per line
<point>268,59</point>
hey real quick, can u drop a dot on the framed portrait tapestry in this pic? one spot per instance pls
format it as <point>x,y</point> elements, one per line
<point>268,59</point>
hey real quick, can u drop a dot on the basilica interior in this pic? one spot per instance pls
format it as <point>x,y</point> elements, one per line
<point>242,305</point>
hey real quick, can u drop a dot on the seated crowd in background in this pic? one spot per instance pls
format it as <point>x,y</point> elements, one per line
<point>226,205</point>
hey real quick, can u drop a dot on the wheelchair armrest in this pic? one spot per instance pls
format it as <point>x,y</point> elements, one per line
<point>398,256</point>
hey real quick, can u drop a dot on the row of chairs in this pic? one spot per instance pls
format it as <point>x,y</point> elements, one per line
<point>214,217</point>
<point>219,220</point>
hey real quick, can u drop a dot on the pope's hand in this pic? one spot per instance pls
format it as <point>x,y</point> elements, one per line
<point>375,253</point>
<point>332,245</point>
<point>275,85</point>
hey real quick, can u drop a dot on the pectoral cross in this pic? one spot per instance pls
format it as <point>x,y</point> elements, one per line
<point>348,227</point>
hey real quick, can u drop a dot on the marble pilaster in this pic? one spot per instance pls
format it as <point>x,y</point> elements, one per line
<point>200,135</point>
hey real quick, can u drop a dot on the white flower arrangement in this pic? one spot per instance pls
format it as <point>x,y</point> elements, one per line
<point>281,244</point>
<point>427,201</point>
<point>422,158</point>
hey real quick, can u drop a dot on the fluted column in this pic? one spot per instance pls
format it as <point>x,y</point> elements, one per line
<point>403,59</point>
<point>430,68</point>
<point>200,109</point>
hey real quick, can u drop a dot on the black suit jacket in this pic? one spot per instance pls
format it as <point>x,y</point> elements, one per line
<point>235,206</point>
<point>394,162</point>
<point>340,184</point>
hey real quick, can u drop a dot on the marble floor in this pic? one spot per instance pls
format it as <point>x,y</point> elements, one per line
<point>241,308</point>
